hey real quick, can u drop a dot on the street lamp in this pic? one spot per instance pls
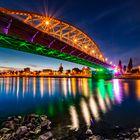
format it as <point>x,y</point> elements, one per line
<point>75,40</point>
<point>47,22</point>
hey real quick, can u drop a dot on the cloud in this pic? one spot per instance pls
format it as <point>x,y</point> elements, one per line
<point>8,68</point>
<point>33,65</point>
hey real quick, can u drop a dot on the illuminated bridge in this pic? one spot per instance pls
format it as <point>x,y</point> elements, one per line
<point>48,36</point>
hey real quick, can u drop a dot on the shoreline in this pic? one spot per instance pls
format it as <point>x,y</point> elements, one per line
<point>48,76</point>
<point>127,77</point>
<point>115,77</point>
<point>38,127</point>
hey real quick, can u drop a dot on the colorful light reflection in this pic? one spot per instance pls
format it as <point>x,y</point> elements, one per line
<point>117,90</point>
<point>74,118</point>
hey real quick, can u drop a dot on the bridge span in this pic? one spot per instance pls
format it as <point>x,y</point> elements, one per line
<point>48,36</point>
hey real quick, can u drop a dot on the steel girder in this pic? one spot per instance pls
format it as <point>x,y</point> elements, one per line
<point>60,30</point>
<point>11,42</point>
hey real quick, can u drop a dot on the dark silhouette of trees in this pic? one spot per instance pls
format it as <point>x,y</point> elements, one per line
<point>130,65</point>
<point>76,70</point>
<point>124,68</point>
<point>120,65</point>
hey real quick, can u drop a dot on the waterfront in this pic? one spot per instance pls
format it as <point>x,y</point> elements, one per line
<point>73,103</point>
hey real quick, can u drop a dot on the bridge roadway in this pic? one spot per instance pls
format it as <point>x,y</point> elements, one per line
<point>18,35</point>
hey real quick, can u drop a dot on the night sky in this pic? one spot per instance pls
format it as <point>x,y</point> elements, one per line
<point>113,24</point>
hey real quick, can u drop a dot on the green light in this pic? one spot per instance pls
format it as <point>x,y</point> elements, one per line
<point>11,42</point>
<point>110,90</point>
<point>101,85</point>
<point>51,110</point>
<point>90,86</point>
<point>101,70</point>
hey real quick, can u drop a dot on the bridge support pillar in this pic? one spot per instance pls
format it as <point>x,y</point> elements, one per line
<point>51,43</point>
<point>33,37</point>
<point>6,29</point>
<point>103,74</point>
<point>63,48</point>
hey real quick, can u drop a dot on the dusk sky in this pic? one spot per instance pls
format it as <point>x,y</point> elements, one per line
<point>113,24</point>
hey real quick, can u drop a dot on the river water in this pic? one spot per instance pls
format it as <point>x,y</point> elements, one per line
<point>73,103</point>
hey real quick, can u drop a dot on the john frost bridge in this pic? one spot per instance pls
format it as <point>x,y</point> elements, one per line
<point>51,37</point>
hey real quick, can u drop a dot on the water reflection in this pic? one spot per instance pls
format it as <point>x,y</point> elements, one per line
<point>74,86</point>
<point>117,90</point>
<point>101,103</point>
<point>85,86</point>
<point>17,87</point>
<point>41,87</point>
<point>85,111</point>
<point>126,88</point>
<point>34,86</point>
<point>83,99</point>
<point>94,109</point>
<point>138,89</point>
<point>74,118</point>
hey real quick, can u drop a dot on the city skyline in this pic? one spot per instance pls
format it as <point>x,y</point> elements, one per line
<point>113,25</point>
<point>35,62</point>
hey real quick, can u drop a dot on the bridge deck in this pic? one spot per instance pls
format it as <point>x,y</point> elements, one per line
<point>23,31</point>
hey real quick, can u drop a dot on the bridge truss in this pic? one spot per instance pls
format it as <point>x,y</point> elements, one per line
<point>60,30</point>
<point>8,41</point>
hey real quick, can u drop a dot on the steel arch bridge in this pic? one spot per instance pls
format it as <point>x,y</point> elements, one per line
<point>39,34</point>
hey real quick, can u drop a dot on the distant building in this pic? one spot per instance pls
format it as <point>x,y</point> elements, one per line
<point>76,71</point>
<point>86,70</point>
<point>26,69</point>
<point>47,70</point>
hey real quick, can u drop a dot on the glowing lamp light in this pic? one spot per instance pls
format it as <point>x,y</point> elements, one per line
<point>106,59</point>
<point>93,51</point>
<point>47,22</point>
<point>110,63</point>
<point>100,56</point>
<point>86,47</point>
<point>116,71</point>
<point>101,70</point>
<point>75,40</point>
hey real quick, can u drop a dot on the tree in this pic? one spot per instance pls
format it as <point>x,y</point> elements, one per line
<point>124,68</point>
<point>120,65</point>
<point>130,65</point>
<point>76,70</point>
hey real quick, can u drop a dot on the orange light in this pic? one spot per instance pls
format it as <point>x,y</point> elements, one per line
<point>75,40</point>
<point>93,51</point>
<point>100,56</point>
<point>47,22</point>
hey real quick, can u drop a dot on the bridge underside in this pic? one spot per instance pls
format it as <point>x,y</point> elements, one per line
<point>8,41</point>
<point>19,36</point>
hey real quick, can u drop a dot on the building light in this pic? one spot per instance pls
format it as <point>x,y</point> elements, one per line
<point>93,51</point>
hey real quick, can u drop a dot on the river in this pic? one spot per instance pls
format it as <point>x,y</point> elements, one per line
<point>73,103</point>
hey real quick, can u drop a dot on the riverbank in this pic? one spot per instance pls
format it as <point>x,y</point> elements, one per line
<point>78,76</point>
<point>35,127</point>
<point>128,76</point>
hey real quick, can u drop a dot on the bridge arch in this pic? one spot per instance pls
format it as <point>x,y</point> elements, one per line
<point>61,30</point>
